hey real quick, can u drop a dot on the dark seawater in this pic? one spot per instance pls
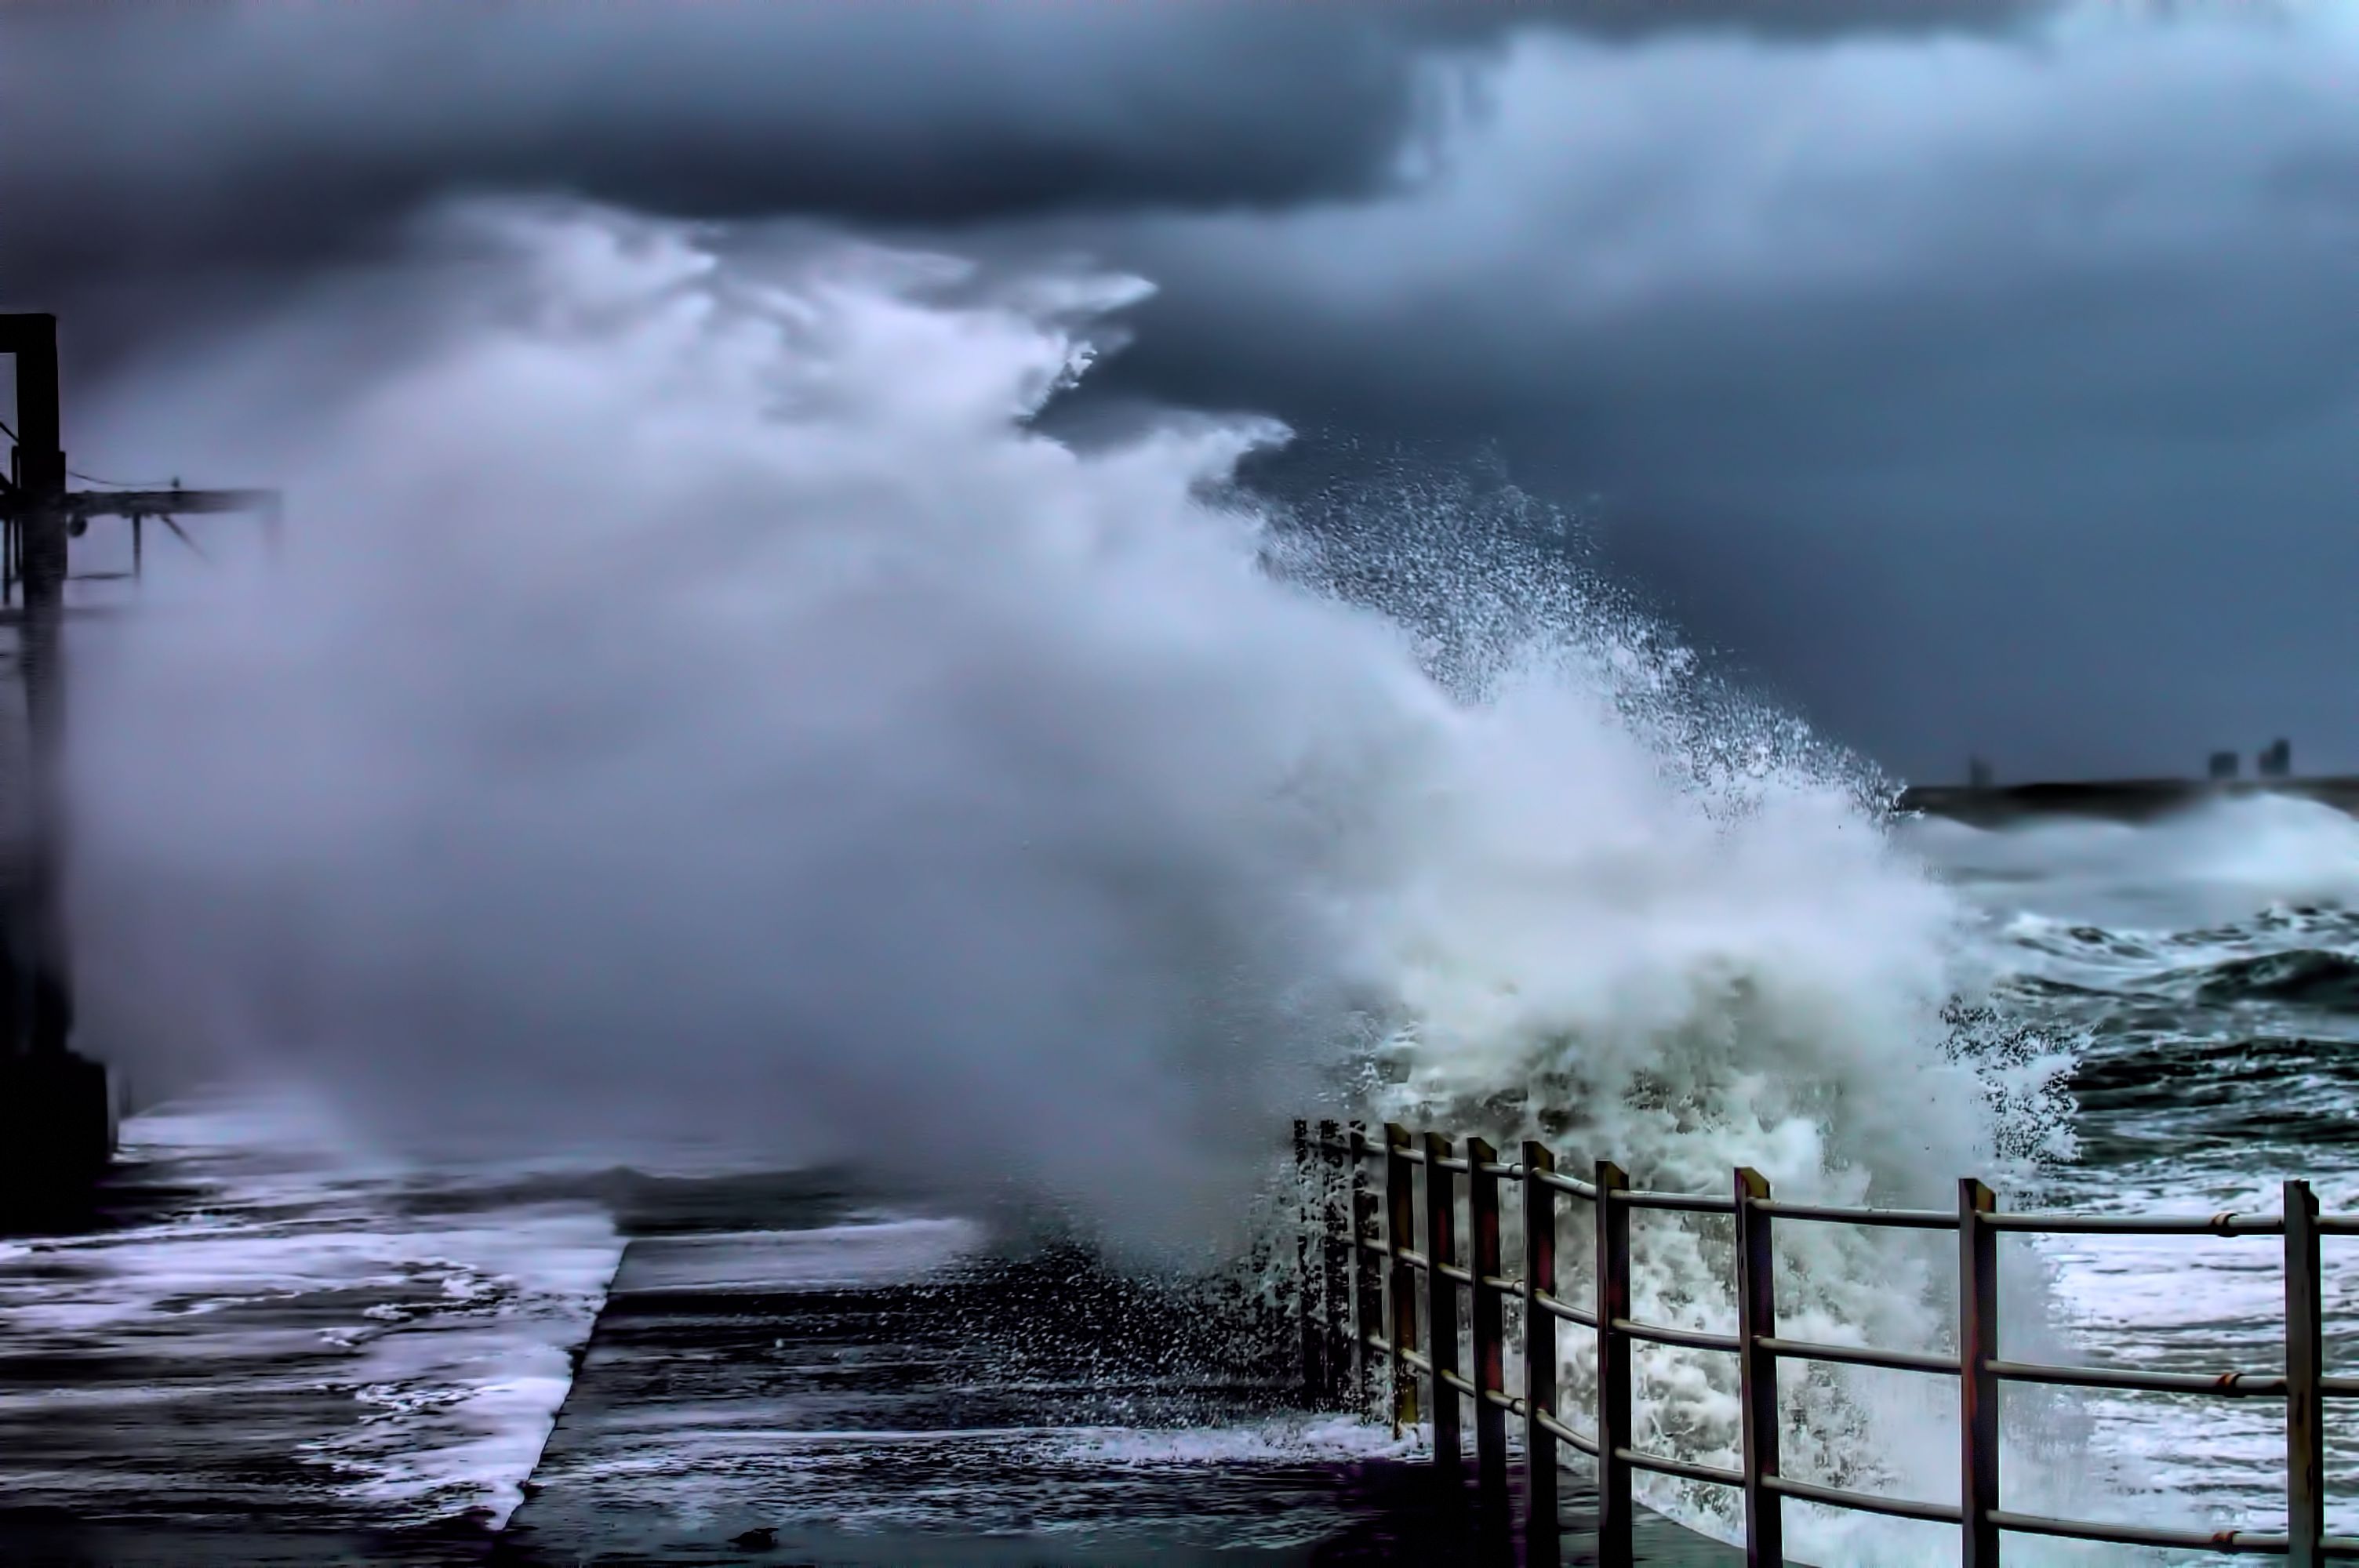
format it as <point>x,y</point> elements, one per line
<point>2204,970</point>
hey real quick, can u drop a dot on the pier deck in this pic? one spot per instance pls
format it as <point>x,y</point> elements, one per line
<point>255,1353</point>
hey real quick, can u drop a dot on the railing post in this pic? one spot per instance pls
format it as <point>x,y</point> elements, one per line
<point>1756,1373</point>
<point>2305,1364</point>
<point>1614,1433</point>
<point>1313,1201</point>
<point>1400,1230</point>
<point>1539,1357</point>
<point>1489,1322</point>
<point>1441,1302</point>
<point>1367,1312</point>
<point>1336,1262</point>
<point>1977,1385</point>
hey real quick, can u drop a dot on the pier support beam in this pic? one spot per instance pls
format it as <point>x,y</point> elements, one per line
<point>57,1109</point>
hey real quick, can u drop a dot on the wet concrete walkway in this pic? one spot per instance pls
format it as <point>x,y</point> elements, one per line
<point>904,1393</point>
<point>256,1357</point>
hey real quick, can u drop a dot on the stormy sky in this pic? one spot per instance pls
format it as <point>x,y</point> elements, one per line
<point>1975,377</point>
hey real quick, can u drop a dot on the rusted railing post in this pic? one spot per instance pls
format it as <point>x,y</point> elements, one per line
<point>1977,1385</point>
<point>1489,1324</point>
<point>1756,1373</point>
<point>1613,1419</point>
<point>1312,1203</point>
<point>1441,1302</point>
<point>1368,1311</point>
<point>2305,1364</point>
<point>1539,1357</point>
<point>1400,1233</point>
<point>1336,1262</point>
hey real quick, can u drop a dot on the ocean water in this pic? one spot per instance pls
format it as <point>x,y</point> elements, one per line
<point>2206,971</point>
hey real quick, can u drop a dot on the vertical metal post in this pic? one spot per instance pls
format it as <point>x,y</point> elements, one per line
<point>1489,1322</point>
<point>138,548</point>
<point>1367,1315</point>
<point>1977,1385</point>
<point>1756,1373</point>
<point>47,1023</point>
<point>1336,1249</point>
<point>1313,1210</point>
<point>1441,1302</point>
<point>1400,1232</point>
<point>2305,1365</point>
<point>1540,1542</point>
<point>1613,1504</point>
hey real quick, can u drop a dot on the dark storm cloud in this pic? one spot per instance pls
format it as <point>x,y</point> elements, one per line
<point>1978,376</point>
<point>134,137</point>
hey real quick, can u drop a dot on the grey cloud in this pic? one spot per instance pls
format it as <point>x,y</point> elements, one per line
<point>1992,394</point>
<point>214,131</point>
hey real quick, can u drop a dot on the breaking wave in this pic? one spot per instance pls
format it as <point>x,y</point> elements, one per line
<point>706,696</point>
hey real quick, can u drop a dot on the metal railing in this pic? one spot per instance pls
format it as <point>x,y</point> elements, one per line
<point>1368,1287</point>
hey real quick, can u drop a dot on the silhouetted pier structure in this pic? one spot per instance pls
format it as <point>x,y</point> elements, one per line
<point>57,1106</point>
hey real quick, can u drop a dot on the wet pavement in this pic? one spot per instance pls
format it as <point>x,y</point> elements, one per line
<point>260,1355</point>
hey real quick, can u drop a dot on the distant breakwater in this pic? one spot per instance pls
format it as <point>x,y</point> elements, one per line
<point>2119,800</point>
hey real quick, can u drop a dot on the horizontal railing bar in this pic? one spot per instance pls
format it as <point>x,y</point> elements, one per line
<point>1503,1285</point>
<point>1414,1260</point>
<point>1417,1360</point>
<point>2140,1534</point>
<point>1451,1163</point>
<point>1472,1390</point>
<point>2057,1224</point>
<point>2228,1385</point>
<point>1580,1439</point>
<point>1677,1202</point>
<point>1863,1502</point>
<point>1863,1356</point>
<point>1565,1183</point>
<point>1557,1307</point>
<point>1689,1338</point>
<point>1686,1470</point>
<point>2050,1222</point>
<point>1405,1153</point>
<point>1377,1342</point>
<point>2339,1387</point>
<point>1505,1402</point>
<point>1890,1219</point>
<point>1453,1271</point>
<point>2339,1545</point>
